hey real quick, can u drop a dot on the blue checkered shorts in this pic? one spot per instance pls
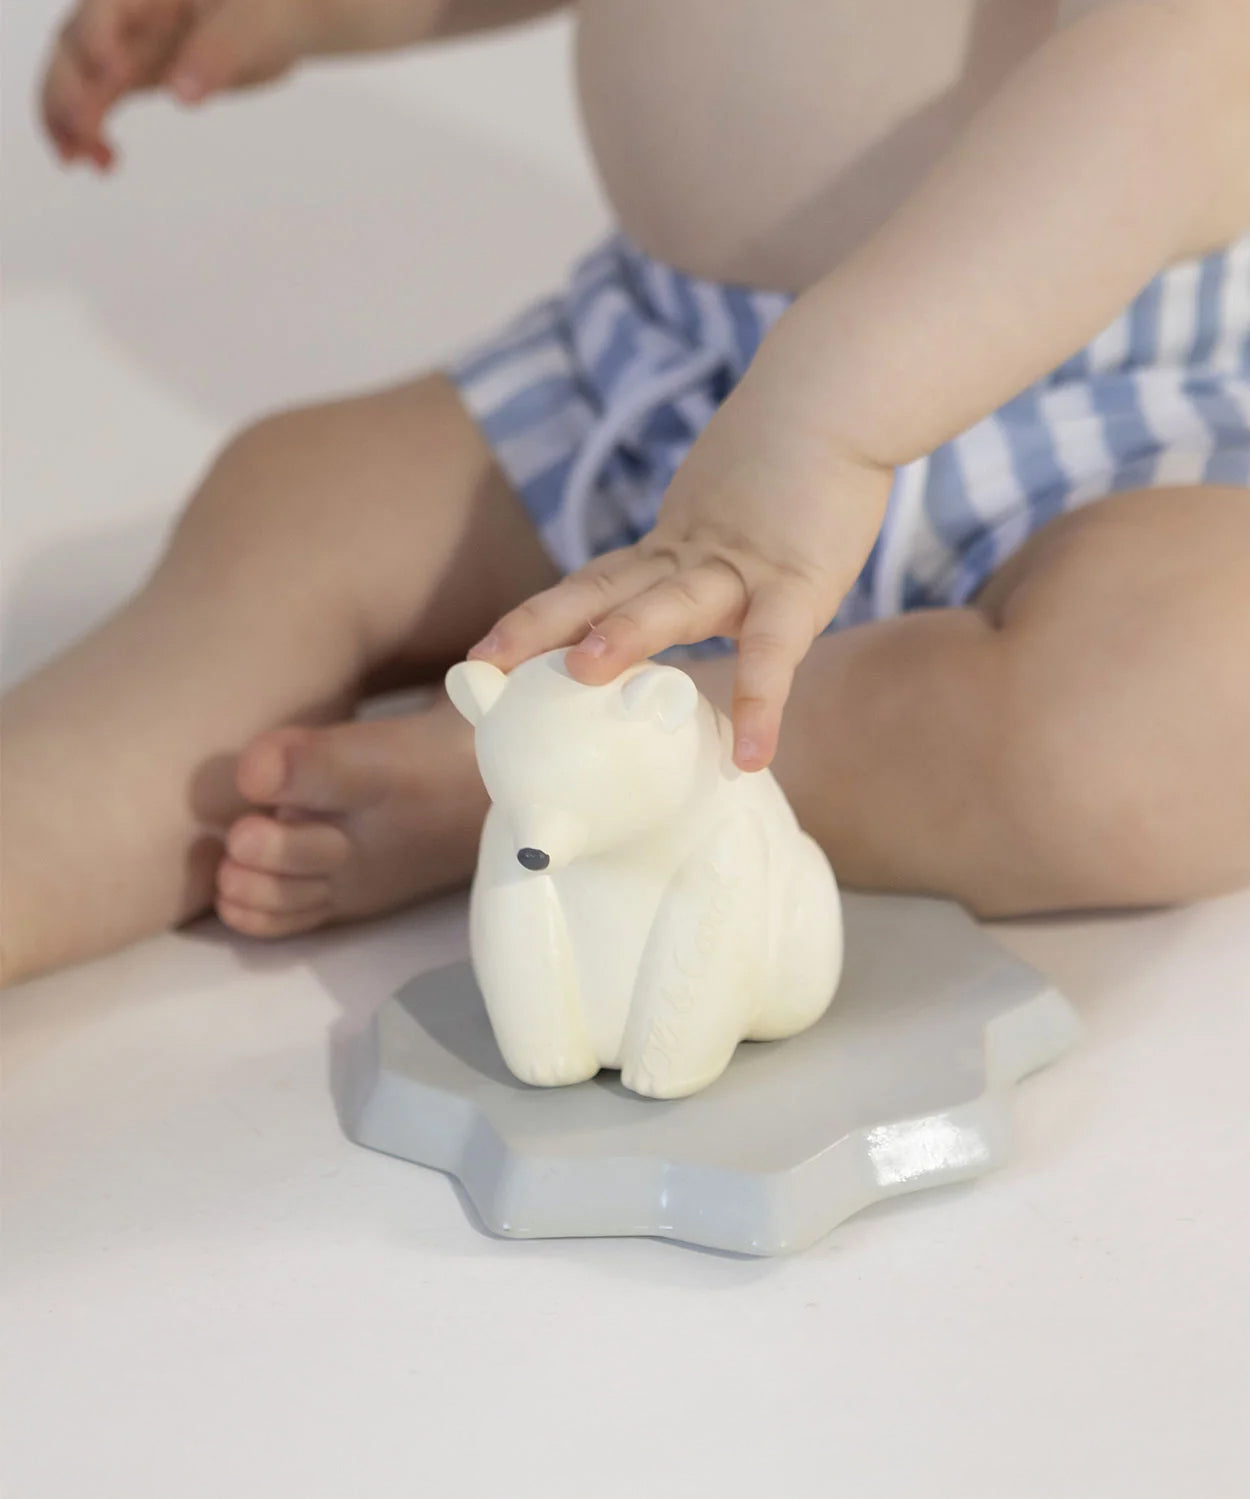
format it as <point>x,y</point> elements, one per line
<point>591,399</point>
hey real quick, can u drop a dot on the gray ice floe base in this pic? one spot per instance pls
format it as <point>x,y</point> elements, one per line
<point>903,1084</point>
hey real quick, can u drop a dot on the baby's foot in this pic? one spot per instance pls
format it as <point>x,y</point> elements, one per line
<point>352,820</point>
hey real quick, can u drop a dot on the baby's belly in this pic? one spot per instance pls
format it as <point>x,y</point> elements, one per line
<point>759,141</point>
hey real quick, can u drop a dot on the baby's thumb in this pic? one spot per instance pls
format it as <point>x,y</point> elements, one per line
<point>236,43</point>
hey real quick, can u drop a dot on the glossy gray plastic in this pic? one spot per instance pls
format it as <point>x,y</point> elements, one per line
<point>903,1084</point>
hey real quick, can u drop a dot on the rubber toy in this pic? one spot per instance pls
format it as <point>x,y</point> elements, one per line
<point>639,903</point>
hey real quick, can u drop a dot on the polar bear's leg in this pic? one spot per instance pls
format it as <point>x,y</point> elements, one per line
<point>524,963</point>
<point>699,981</point>
<point>807,957</point>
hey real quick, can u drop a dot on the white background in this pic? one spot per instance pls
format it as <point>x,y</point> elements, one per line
<point>208,1293</point>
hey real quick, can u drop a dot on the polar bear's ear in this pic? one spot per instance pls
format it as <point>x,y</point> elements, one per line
<point>474,687</point>
<point>662,694</point>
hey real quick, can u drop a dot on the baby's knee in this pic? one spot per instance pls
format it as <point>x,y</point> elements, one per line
<point>256,471</point>
<point>270,507</point>
<point>1134,793</point>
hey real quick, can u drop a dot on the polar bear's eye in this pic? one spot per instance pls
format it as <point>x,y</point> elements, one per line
<point>533,858</point>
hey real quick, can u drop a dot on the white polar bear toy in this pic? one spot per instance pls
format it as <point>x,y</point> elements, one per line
<point>639,903</point>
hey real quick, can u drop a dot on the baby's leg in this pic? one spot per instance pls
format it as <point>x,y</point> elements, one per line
<point>323,544</point>
<point>1076,739</point>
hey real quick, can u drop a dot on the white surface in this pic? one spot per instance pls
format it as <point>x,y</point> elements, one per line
<point>208,1293</point>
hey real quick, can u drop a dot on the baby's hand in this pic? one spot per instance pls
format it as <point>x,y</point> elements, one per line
<point>761,534</point>
<point>110,48</point>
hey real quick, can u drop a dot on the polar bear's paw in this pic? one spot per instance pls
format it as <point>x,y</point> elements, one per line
<point>665,1081</point>
<point>556,1070</point>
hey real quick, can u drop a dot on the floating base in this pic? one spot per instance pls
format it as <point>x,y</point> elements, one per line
<point>902,1085</point>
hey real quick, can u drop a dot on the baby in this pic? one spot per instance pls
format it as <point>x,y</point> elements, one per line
<point>920,368</point>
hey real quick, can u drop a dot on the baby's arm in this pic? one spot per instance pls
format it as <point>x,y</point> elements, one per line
<point>110,48</point>
<point>1100,160</point>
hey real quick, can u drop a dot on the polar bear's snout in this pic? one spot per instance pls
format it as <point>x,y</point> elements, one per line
<point>545,838</point>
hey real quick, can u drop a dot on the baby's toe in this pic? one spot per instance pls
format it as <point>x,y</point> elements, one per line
<point>254,923</point>
<point>272,894</point>
<point>298,849</point>
<point>263,774</point>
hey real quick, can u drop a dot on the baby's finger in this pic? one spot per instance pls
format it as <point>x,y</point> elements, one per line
<point>56,119</point>
<point>686,607</point>
<point>237,42</point>
<point>776,634</point>
<point>562,614</point>
<point>71,113</point>
<point>93,37</point>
